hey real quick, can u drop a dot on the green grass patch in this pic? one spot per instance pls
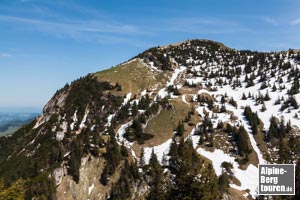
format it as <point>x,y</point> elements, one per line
<point>163,124</point>
<point>133,77</point>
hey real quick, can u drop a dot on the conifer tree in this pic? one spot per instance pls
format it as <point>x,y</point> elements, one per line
<point>295,87</point>
<point>173,153</point>
<point>294,103</point>
<point>284,156</point>
<point>267,96</point>
<point>223,100</point>
<point>274,88</point>
<point>224,182</point>
<point>263,107</point>
<point>142,159</point>
<point>187,183</point>
<point>157,182</point>
<point>134,110</point>
<point>244,96</point>
<point>273,129</point>
<point>179,129</point>
<point>201,140</point>
<point>241,138</point>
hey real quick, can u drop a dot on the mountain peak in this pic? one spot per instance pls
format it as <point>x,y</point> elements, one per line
<point>198,42</point>
<point>192,112</point>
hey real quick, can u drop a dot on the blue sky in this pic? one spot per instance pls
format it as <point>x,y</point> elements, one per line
<point>47,43</point>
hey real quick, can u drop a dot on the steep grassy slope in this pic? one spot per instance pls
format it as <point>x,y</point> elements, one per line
<point>134,77</point>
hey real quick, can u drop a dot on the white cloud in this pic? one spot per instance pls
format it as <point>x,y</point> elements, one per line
<point>5,55</point>
<point>202,25</point>
<point>89,30</point>
<point>295,22</point>
<point>196,21</point>
<point>72,26</point>
<point>270,20</point>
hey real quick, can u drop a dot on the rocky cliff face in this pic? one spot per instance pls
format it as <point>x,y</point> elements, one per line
<point>194,116</point>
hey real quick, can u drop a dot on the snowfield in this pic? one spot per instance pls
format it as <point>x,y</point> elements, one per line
<point>160,151</point>
<point>126,99</point>
<point>121,140</point>
<point>248,178</point>
<point>163,92</point>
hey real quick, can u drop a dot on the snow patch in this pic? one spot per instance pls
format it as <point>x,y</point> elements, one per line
<point>82,124</point>
<point>61,134</point>
<point>91,188</point>
<point>248,178</point>
<point>126,99</point>
<point>74,120</point>
<point>143,93</point>
<point>175,75</point>
<point>184,99</point>
<point>159,150</point>
<point>109,118</point>
<point>120,139</point>
<point>163,92</point>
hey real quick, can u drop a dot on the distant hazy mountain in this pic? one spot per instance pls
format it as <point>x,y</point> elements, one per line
<point>10,122</point>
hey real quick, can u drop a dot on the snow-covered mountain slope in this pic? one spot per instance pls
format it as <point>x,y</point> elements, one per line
<point>194,116</point>
<point>267,83</point>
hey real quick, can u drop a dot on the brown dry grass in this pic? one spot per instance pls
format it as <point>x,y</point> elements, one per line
<point>185,90</point>
<point>134,77</point>
<point>221,141</point>
<point>236,181</point>
<point>237,194</point>
<point>261,144</point>
<point>163,125</point>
